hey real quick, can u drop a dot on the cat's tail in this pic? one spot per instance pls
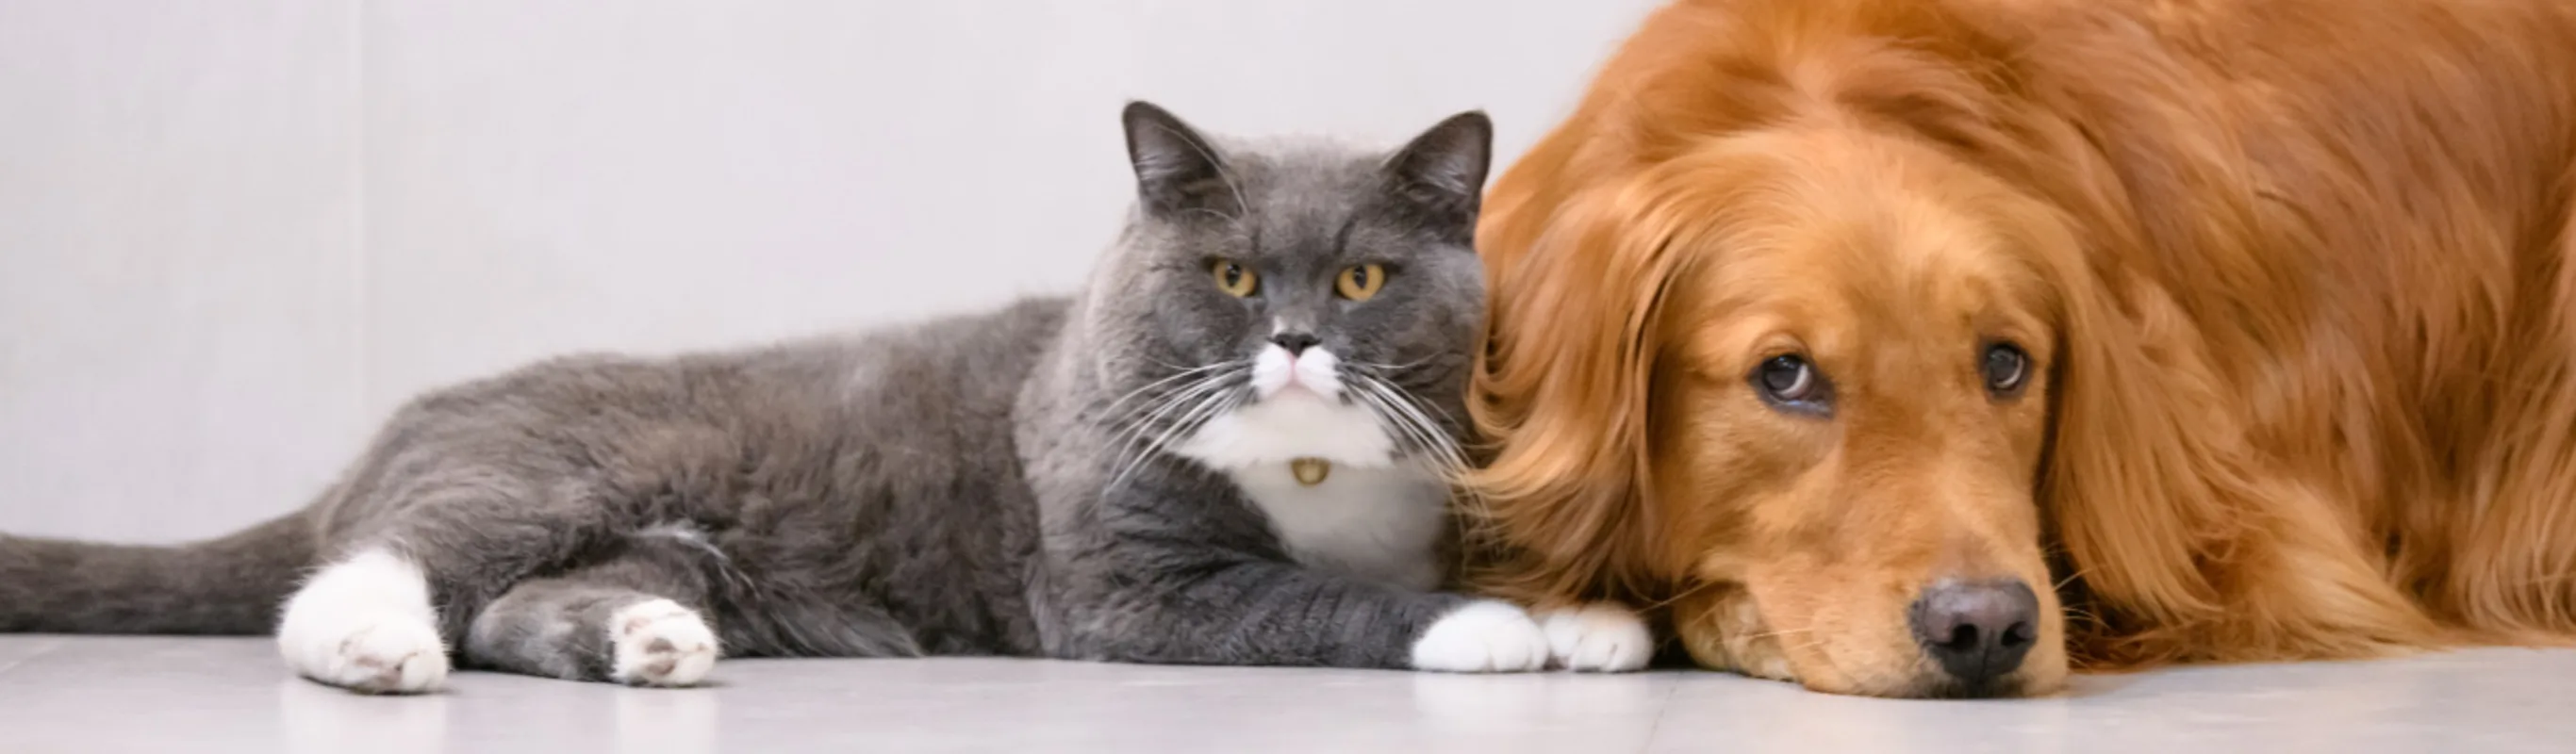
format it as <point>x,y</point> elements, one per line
<point>229,585</point>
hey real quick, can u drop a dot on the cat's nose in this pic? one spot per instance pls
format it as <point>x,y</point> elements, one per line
<point>1295,342</point>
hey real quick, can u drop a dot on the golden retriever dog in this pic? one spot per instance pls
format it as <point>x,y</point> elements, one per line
<point>1929,347</point>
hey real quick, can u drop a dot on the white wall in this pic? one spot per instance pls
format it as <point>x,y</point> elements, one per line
<point>233,235</point>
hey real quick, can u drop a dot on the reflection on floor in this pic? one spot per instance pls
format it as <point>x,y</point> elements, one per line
<point>81,694</point>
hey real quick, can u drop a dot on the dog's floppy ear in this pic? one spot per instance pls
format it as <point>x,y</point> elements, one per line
<point>1562,393</point>
<point>2159,502</point>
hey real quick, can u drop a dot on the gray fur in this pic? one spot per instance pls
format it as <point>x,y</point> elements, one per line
<point>971,485</point>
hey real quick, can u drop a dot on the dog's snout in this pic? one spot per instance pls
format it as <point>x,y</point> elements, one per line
<point>1977,630</point>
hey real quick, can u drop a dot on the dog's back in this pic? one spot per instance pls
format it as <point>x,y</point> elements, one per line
<point>2368,212</point>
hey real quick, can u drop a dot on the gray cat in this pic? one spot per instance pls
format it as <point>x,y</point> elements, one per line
<point>1229,450</point>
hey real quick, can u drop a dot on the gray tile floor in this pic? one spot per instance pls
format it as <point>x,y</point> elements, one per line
<point>68,694</point>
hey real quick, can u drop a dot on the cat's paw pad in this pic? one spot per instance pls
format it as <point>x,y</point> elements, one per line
<point>1599,637</point>
<point>386,654</point>
<point>660,643</point>
<point>1482,637</point>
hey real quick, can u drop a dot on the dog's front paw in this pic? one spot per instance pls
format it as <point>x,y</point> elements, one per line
<point>660,643</point>
<point>1599,637</point>
<point>1724,630</point>
<point>1482,637</point>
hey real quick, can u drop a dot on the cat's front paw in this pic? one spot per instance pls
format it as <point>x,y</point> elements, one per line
<point>1599,637</point>
<point>660,643</point>
<point>1482,637</point>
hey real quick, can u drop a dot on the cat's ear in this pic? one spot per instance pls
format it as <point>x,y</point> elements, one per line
<point>1443,170</point>
<point>1176,168</point>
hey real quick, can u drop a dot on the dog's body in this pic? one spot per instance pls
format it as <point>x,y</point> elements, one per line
<point>2294,282</point>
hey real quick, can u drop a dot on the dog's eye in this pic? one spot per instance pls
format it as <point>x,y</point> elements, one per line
<point>1791,381</point>
<point>2007,369</point>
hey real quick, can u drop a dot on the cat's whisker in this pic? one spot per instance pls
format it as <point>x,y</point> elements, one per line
<point>1434,442</point>
<point>1390,405</point>
<point>1205,380</point>
<point>1377,407</point>
<point>1124,441</point>
<point>1377,367</point>
<point>1365,389</point>
<point>1151,414</point>
<point>1177,367</point>
<point>1445,416</point>
<point>1371,371</point>
<point>1427,443</point>
<point>1138,443</point>
<point>1438,439</point>
<point>1164,407</point>
<point>1147,413</point>
<point>1178,403</point>
<point>1112,409</point>
<point>1206,408</point>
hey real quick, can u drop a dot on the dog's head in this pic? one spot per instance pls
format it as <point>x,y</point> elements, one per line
<point>1792,374</point>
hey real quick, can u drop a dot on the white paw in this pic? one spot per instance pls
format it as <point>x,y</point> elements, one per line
<point>1482,637</point>
<point>365,624</point>
<point>1599,637</point>
<point>660,643</point>
<point>384,654</point>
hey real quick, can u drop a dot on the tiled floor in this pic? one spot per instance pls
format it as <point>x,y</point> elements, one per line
<point>65,694</point>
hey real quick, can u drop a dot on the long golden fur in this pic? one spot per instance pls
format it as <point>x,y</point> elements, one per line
<point>2295,277</point>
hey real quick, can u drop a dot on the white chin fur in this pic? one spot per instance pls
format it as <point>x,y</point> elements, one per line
<point>1297,413</point>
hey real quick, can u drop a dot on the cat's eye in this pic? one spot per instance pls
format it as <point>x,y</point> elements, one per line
<point>1360,282</point>
<point>1235,279</point>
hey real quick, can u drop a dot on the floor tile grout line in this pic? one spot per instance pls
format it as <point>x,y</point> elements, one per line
<point>1672,689</point>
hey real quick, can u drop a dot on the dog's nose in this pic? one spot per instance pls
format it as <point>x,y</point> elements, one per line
<point>1977,630</point>
<point>1295,342</point>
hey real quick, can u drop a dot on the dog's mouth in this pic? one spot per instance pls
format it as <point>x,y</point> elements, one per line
<point>1963,642</point>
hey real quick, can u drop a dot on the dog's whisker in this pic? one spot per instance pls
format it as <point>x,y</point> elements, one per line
<point>1779,633</point>
<point>1695,588</point>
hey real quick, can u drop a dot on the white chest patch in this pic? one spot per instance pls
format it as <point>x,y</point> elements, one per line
<point>1382,524</point>
<point>1371,516</point>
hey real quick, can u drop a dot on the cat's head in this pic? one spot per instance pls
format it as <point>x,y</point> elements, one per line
<point>1297,300</point>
